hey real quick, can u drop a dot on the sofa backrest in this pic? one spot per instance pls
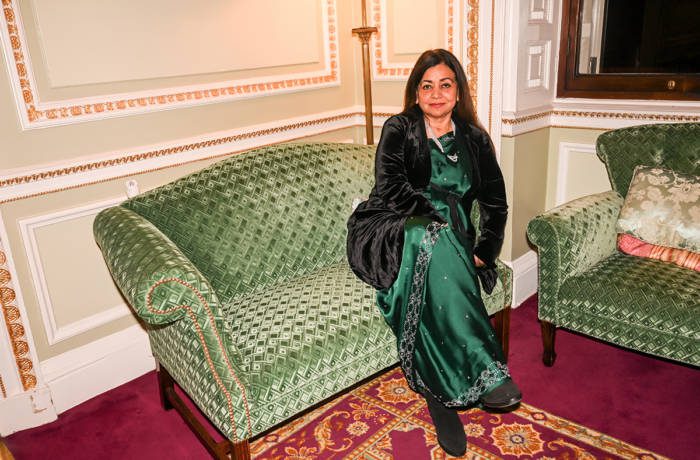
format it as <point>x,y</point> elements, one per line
<point>265,215</point>
<point>672,146</point>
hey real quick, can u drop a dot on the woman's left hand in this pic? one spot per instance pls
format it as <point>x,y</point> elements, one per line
<point>478,262</point>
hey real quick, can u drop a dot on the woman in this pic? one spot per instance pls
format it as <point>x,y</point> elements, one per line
<point>414,242</point>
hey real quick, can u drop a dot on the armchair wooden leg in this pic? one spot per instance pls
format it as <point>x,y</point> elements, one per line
<point>165,383</point>
<point>548,330</point>
<point>502,327</point>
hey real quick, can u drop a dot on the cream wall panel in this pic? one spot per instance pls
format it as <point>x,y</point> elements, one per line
<point>131,39</point>
<point>38,107</point>
<point>74,287</point>
<point>410,16</point>
<point>406,28</point>
<point>557,137</point>
<point>38,148</point>
<point>580,172</point>
<point>529,185</point>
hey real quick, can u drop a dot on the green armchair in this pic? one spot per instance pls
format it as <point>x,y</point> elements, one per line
<point>586,285</point>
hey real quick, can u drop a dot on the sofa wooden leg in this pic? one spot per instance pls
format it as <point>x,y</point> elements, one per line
<point>502,327</point>
<point>548,330</point>
<point>165,382</point>
<point>240,450</point>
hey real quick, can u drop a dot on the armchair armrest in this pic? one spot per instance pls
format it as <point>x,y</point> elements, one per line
<point>570,239</point>
<point>163,286</point>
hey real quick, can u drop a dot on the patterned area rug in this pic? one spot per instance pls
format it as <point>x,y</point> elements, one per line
<point>384,419</point>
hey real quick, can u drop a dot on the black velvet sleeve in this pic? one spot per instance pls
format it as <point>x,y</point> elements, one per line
<point>375,228</point>
<point>491,198</point>
<point>391,171</point>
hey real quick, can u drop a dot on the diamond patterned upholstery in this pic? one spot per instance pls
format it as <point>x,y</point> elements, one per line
<point>670,146</point>
<point>586,285</point>
<point>239,271</point>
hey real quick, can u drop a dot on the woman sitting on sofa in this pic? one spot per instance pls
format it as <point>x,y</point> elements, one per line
<point>414,242</point>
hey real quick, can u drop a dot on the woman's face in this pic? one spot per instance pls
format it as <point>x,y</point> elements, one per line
<point>437,92</point>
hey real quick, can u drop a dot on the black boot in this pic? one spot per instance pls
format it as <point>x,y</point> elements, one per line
<point>450,431</point>
<point>506,395</point>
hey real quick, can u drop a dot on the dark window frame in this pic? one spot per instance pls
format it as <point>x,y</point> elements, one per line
<point>571,84</point>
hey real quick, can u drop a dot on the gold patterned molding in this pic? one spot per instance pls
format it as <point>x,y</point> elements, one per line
<point>472,65</point>
<point>98,167</point>
<point>2,388</point>
<point>15,327</point>
<point>35,113</point>
<point>583,119</point>
<point>383,70</point>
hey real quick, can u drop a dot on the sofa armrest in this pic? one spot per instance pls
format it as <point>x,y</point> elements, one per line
<point>149,270</point>
<point>570,239</point>
<point>163,286</point>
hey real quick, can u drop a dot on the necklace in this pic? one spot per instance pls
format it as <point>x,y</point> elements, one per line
<point>451,157</point>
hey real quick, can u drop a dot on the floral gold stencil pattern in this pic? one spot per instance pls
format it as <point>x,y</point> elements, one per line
<point>379,421</point>
<point>15,328</point>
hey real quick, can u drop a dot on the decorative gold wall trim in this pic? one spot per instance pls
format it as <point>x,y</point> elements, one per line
<point>179,149</point>
<point>629,116</point>
<point>15,328</point>
<point>61,112</point>
<point>473,48</point>
<point>523,119</point>
<point>2,388</point>
<point>612,115</point>
<point>171,150</point>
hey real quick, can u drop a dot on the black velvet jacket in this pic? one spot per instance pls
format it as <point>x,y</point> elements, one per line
<point>402,172</point>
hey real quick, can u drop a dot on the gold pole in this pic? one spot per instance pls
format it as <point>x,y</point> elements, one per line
<point>365,34</point>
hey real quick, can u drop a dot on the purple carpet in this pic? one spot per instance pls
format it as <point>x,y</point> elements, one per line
<point>644,401</point>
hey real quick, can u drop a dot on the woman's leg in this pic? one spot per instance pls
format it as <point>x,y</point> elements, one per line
<point>449,428</point>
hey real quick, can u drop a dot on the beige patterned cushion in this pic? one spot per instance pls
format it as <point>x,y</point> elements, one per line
<point>662,207</point>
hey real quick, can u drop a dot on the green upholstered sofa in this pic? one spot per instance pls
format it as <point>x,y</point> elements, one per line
<point>587,285</point>
<point>239,273</point>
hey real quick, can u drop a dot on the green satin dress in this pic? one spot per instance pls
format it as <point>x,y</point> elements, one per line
<point>446,343</point>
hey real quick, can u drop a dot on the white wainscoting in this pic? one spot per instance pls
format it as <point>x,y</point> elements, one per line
<point>28,227</point>
<point>524,277</point>
<point>595,181</point>
<point>85,372</point>
<point>26,410</point>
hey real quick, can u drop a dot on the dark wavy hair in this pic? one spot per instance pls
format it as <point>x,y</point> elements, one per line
<point>464,110</point>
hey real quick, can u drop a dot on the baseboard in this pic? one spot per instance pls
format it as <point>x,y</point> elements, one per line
<point>524,277</point>
<point>85,372</point>
<point>26,410</point>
